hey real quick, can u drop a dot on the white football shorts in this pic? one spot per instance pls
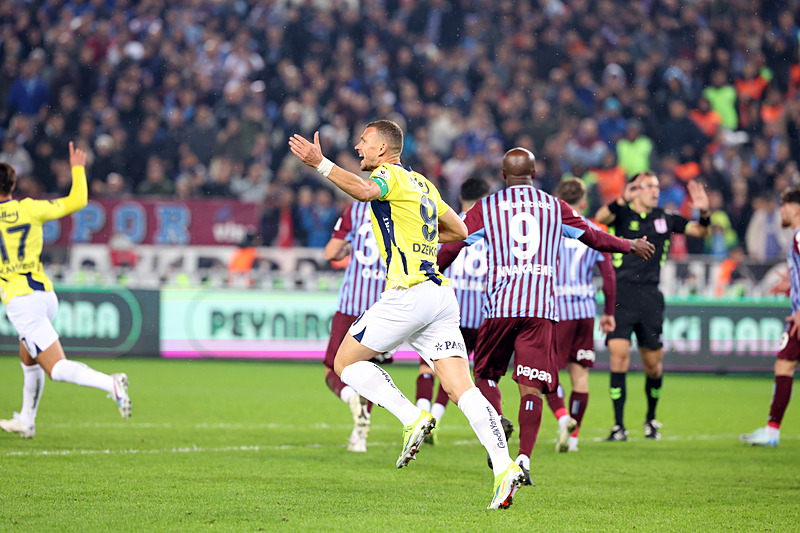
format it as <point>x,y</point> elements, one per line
<point>426,316</point>
<point>32,316</point>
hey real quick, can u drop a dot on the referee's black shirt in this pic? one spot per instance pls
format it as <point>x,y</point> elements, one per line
<point>658,226</point>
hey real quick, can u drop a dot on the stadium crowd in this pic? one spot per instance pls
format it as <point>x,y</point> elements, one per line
<point>197,98</point>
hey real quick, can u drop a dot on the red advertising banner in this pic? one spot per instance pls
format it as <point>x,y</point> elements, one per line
<point>144,221</point>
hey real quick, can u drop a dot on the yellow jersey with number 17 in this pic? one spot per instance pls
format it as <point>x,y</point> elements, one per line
<point>405,224</point>
<point>21,237</point>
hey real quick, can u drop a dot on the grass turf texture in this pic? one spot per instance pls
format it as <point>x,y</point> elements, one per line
<point>215,445</point>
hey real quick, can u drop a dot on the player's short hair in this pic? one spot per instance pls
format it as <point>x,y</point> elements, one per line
<point>390,132</point>
<point>644,173</point>
<point>474,189</point>
<point>791,196</point>
<point>8,178</point>
<point>571,190</point>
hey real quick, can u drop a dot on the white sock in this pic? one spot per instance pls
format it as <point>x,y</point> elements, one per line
<point>347,393</point>
<point>773,432</point>
<point>33,378</point>
<point>524,461</point>
<point>573,442</point>
<point>437,411</point>
<point>80,374</point>
<point>563,420</point>
<point>374,384</point>
<point>485,423</point>
<point>424,405</point>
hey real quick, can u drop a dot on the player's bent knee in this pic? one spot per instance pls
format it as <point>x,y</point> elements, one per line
<point>339,365</point>
<point>525,390</point>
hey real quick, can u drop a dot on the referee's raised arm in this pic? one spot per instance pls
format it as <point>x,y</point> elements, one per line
<point>608,213</point>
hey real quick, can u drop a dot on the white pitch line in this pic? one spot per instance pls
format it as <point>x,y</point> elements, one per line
<point>284,447</point>
<point>202,425</point>
<point>178,450</point>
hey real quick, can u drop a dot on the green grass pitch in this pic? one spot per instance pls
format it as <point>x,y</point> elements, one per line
<point>257,446</point>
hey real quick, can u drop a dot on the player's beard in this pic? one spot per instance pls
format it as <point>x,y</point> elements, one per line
<point>367,166</point>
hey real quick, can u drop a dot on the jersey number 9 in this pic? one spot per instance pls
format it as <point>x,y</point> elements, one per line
<point>427,210</point>
<point>524,229</point>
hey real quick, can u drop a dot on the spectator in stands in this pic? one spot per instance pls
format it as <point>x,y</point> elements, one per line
<point>201,134</point>
<point>115,186</point>
<point>672,193</point>
<point>675,86</point>
<point>733,276</point>
<point>750,86</point>
<point>221,173</point>
<point>634,151</point>
<point>457,169</point>
<point>28,93</point>
<point>243,260</point>
<point>279,219</point>
<point>605,183</point>
<point>706,119</point>
<point>317,215</point>
<point>679,134</point>
<point>167,91</point>
<point>766,240</point>
<point>723,237</point>
<point>15,155</point>
<point>107,158</point>
<point>252,187</point>
<point>156,182</point>
<point>542,125</point>
<point>586,149</point>
<point>722,96</point>
<point>612,126</point>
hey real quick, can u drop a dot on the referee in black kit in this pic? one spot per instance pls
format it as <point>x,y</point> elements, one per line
<point>640,304</point>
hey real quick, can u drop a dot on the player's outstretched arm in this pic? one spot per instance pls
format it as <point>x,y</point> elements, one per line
<point>79,193</point>
<point>642,249</point>
<point>474,225</point>
<point>606,268</point>
<point>448,253</point>
<point>337,249</point>
<point>311,154</point>
<point>605,242</point>
<point>451,227</point>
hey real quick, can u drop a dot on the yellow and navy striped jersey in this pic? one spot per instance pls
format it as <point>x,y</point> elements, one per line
<point>21,237</point>
<point>405,224</point>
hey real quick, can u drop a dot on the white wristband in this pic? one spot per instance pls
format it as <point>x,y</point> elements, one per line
<point>325,167</point>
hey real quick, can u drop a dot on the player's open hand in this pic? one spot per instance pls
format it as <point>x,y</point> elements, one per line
<point>697,195</point>
<point>642,249</point>
<point>308,153</point>
<point>77,157</point>
<point>607,324</point>
<point>794,320</point>
<point>783,284</point>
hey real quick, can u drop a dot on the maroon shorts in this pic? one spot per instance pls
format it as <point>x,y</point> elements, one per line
<point>339,326</point>
<point>470,338</point>
<point>530,340</point>
<point>574,342</point>
<point>790,346</point>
